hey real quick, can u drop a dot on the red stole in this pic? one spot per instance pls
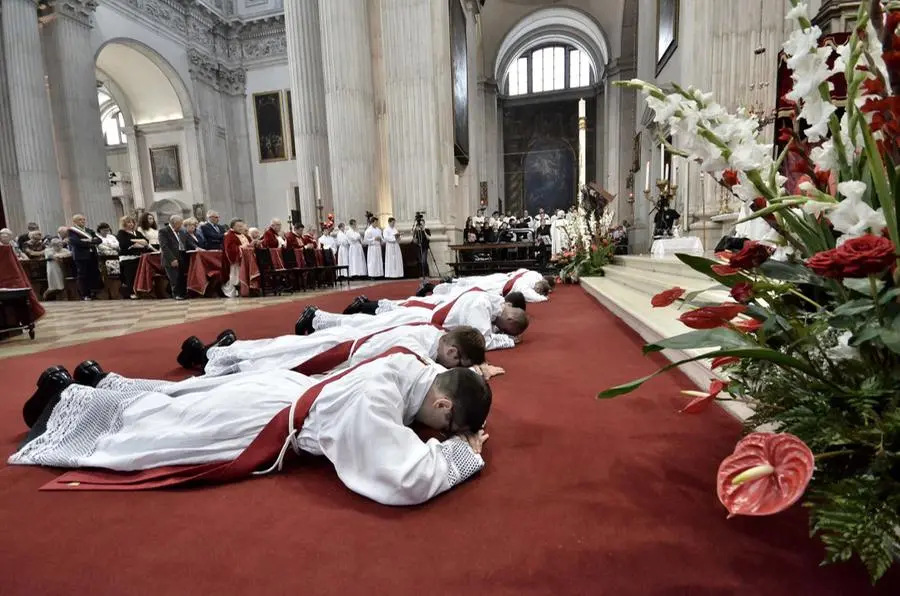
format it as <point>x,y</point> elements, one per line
<point>270,239</point>
<point>509,284</point>
<point>264,449</point>
<point>419,304</point>
<point>337,355</point>
<point>292,240</point>
<point>440,315</point>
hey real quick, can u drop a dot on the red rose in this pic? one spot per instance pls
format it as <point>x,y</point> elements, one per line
<point>667,298</point>
<point>710,317</point>
<point>748,325</point>
<point>751,256</point>
<point>730,178</point>
<point>723,361</point>
<point>857,257</point>
<point>742,292</point>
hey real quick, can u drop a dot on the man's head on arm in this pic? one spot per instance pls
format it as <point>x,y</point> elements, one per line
<point>543,287</point>
<point>463,346</point>
<point>458,402</point>
<point>516,299</point>
<point>551,281</point>
<point>512,321</point>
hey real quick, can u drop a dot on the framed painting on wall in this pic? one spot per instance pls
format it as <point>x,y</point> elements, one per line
<point>667,13</point>
<point>165,168</point>
<point>270,126</point>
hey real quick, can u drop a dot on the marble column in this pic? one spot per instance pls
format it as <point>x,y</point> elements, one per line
<point>29,108</point>
<point>72,77</point>
<point>384,198</point>
<point>412,108</point>
<point>304,43</point>
<point>349,106</point>
<point>493,150</point>
<point>10,189</point>
<point>135,139</point>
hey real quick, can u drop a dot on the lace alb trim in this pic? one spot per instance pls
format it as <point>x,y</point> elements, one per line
<point>463,463</point>
<point>114,382</point>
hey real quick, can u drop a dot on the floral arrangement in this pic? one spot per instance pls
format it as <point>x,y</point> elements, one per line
<point>810,335</point>
<point>328,224</point>
<point>591,246</point>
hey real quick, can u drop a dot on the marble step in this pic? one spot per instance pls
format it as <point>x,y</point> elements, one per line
<point>668,266</point>
<point>651,283</point>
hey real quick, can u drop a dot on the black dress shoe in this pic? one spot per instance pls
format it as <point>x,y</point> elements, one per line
<point>89,373</point>
<point>425,289</point>
<point>226,338</point>
<point>193,352</point>
<point>304,325</point>
<point>355,305</point>
<point>51,383</point>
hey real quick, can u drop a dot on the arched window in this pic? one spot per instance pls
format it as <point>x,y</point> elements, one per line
<point>549,68</point>
<point>111,120</point>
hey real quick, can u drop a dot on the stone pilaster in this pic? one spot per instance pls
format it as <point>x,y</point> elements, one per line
<point>81,151</point>
<point>10,189</point>
<point>304,42</point>
<point>135,140</point>
<point>493,151</point>
<point>29,108</point>
<point>349,105</point>
<point>384,199</point>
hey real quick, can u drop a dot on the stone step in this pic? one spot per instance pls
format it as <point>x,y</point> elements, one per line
<point>651,283</point>
<point>653,324</point>
<point>668,266</point>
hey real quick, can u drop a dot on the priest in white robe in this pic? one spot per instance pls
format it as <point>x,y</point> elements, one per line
<point>498,321</point>
<point>343,248</point>
<point>357,258</point>
<point>531,284</point>
<point>393,257</point>
<point>374,257</point>
<point>559,233</point>
<point>220,429</point>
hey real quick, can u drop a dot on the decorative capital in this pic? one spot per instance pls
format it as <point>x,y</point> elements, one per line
<point>78,10</point>
<point>203,68</point>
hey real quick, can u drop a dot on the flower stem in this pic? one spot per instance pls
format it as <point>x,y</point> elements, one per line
<point>873,286</point>
<point>831,454</point>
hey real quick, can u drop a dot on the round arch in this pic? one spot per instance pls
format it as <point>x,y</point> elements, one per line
<point>556,25</point>
<point>130,67</point>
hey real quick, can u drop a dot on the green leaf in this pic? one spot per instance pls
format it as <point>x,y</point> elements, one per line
<point>854,307</point>
<point>781,206</point>
<point>792,272</point>
<point>782,360</point>
<point>891,339</point>
<point>704,266</point>
<point>862,285</point>
<point>690,296</point>
<point>703,338</point>
<point>889,296</point>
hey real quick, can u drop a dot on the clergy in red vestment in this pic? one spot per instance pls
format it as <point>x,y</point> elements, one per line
<point>308,239</point>
<point>234,239</point>
<point>292,238</point>
<point>272,237</point>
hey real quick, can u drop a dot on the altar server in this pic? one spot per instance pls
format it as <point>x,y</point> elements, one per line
<point>343,248</point>
<point>220,429</point>
<point>374,258</point>
<point>393,258</point>
<point>534,286</point>
<point>357,258</point>
<point>474,308</point>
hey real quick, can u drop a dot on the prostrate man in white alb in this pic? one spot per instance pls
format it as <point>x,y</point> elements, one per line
<point>474,308</point>
<point>220,429</point>
<point>338,348</point>
<point>531,284</point>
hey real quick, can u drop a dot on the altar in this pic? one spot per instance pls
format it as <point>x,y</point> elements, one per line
<point>668,247</point>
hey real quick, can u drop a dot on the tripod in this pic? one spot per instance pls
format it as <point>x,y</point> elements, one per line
<point>420,238</point>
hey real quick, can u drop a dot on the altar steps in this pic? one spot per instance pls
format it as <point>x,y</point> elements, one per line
<point>626,290</point>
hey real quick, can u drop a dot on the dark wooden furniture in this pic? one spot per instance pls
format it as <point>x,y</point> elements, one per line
<point>16,311</point>
<point>484,258</point>
<point>271,276</point>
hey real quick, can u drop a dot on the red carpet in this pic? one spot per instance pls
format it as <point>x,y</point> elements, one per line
<point>579,496</point>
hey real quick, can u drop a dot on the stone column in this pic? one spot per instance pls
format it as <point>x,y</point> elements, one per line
<point>134,136</point>
<point>493,148</point>
<point>384,198</point>
<point>29,108</point>
<point>10,189</point>
<point>304,44</point>
<point>349,105</point>
<point>76,112</point>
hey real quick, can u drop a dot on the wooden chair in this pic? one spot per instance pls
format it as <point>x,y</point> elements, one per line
<point>296,269</point>
<point>269,276</point>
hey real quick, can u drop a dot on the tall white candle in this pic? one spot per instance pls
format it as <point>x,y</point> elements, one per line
<point>666,173</point>
<point>318,188</point>
<point>662,162</point>
<point>647,176</point>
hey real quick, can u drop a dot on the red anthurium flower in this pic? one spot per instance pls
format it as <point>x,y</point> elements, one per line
<point>766,474</point>
<point>723,361</point>
<point>751,256</point>
<point>668,297</point>
<point>724,270</point>
<point>730,178</point>
<point>742,292</point>
<point>748,325</point>
<point>702,400</point>
<point>710,317</point>
<point>724,255</point>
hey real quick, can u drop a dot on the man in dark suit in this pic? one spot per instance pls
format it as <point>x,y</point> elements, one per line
<point>172,247</point>
<point>212,231</point>
<point>83,243</point>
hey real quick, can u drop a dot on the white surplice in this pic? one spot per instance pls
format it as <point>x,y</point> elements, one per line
<point>357,258</point>
<point>393,257</point>
<point>494,284</point>
<point>343,255</point>
<point>374,258</point>
<point>289,351</point>
<point>475,309</point>
<point>359,422</point>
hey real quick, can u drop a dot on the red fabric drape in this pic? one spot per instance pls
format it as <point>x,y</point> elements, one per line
<point>13,276</point>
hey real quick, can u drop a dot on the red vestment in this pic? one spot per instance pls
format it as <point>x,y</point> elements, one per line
<point>292,240</point>
<point>269,239</point>
<point>308,241</point>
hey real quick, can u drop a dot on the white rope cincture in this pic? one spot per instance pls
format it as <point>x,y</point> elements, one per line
<point>290,441</point>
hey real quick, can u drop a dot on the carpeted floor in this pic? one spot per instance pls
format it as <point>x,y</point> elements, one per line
<point>579,497</point>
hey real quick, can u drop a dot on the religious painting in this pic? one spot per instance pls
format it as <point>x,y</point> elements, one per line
<point>165,168</point>
<point>667,12</point>
<point>459,68</point>
<point>290,121</point>
<point>199,210</point>
<point>270,126</point>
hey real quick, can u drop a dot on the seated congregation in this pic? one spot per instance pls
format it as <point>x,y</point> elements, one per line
<point>344,386</point>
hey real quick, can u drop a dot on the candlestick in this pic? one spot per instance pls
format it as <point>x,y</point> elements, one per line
<point>316,185</point>
<point>662,161</point>
<point>647,177</point>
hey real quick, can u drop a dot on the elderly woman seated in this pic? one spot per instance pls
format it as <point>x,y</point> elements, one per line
<point>192,238</point>
<point>55,254</point>
<point>34,246</point>
<point>108,247</point>
<point>7,238</point>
